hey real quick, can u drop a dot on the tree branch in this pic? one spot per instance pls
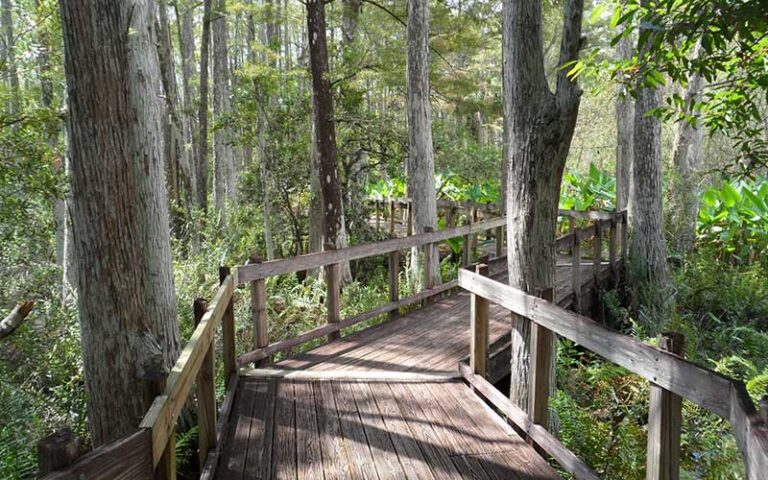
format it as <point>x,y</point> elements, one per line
<point>569,48</point>
<point>15,318</point>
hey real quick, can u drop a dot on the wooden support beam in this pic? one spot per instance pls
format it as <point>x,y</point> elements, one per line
<point>466,254</point>
<point>378,215</point>
<point>624,237</point>
<point>409,213</point>
<point>664,421</point>
<point>541,368</point>
<point>394,281</point>
<point>576,272</point>
<point>612,253</point>
<point>228,329</point>
<point>392,208</point>
<point>206,392</point>
<point>597,261</point>
<point>478,348</point>
<point>259,313</point>
<point>499,241</point>
<point>333,294</point>
<point>429,259</point>
<point>473,237</point>
<point>165,469</point>
<point>450,217</point>
<point>57,451</point>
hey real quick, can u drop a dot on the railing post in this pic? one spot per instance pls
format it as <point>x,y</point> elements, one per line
<point>409,206</point>
<point>478,352</point>
<point>763,409</point>
<point>499,241</point>
<point>624,236</point>
<point>466,254</point>
<point>259,313</point>
<point>473,236</point>
<point>541,368</point>
<point>206,392</point>
<point>378,214</point>
<point>392,212</point>
<point>597,262</point>
<point>228,330</point>
<point>450,218</point>
<point>394,280</point>
<point>576,270</point>
<point>612,252</point>
<point>333,294</point>
<point>429,259</point>
<point>56,451</point>
<point>664,422</point>
<point>166,467</point>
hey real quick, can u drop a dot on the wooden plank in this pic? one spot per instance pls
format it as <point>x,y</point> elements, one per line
<point>699,385</point>
<point>499,241</point>
<point>407,449</point>
<point>248,273</point>
<point>350,375</point>
<point>326,329</point>
<point>237,435</point>
<point>57,451</point>
<point>394,281</point>
<point>392,218</point>
<point>258,462</point>
<point>355,441</point>
<point>284,449</point>
<point>576,274</point>
<point>228,329</point>
<point>541,437</point>
<point>665,419</point>
<point>259,314</point>
<point>206,393</point>
<point>227,405</point>
<point>335,461</point>
<point>309,462</point>
<point>750,431</point>
<point>381,446</point>
<point>164,411</point>
<point>129,458</point>
<point>478,352</point>
<point>543,349</point>
<point>429,253</point>
<point>612,254</point>
<point>333,294</point>
<point>588,214</point>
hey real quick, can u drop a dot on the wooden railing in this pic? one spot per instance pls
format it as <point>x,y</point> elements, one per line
<point>671,376</point>
<point>152,447</point>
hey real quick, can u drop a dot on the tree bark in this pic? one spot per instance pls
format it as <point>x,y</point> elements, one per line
<point>625,131</point>
<point>127,301</point>
<point>648,249</point>
<point>9,54</point>
<point>334,230</point>
<point>185,27</point>
<point>224,162</point>
<point>202,123</point>
<point>420,166</point>
<point>540,127</point>
<point>686,158</point>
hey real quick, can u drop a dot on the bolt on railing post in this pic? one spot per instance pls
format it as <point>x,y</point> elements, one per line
<point>228,329</point>
<point>478,354</point>
<point>394,280</point>
<point>541,368</point>
<point>259,316</point>
<point>664,421</point>
<point>333,294</point>
<point>206,392</point>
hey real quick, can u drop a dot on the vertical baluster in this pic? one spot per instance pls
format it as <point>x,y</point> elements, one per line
<point>394,280</point>
<point>333,294</point>
<point>540,376</point>
<point>576,269</point>
<point>259,314</point>
<point>478,355</point>
<point>612,253</point>
<point>392,212</point>
<point>499,241</point>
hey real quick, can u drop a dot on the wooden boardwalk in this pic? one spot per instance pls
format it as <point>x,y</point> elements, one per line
<point>384,429</point>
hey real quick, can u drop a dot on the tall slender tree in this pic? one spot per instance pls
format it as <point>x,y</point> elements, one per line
<point>648,249</point>
<point>202,123</point>
<point>420,166</point>
<point>625,130</point>
<point>126,298</point>
<point>540,125</point>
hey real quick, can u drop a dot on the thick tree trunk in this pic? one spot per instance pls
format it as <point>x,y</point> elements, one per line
<point>420,166</point>
<point>540,127</point>
<point>316,203</point>
<point>126,297</point>
<point>334,230</point>
<point>625,131</point>
<point>202,123</point>
<point>686,158</point>
<point>224,162</point>
<point>648,249</point>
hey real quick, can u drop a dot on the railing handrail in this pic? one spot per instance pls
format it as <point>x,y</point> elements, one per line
<point>717,393</point>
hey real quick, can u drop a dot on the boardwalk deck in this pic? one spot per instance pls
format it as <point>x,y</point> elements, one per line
<point>289,428</point>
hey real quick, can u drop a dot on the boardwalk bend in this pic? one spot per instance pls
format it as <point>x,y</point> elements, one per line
<point>413,396</point>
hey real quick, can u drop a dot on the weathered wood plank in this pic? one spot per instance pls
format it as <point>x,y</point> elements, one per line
<point>336,464</point>
<point>284,444</point>
<point>127,459</point>
<point>309,461</point>
<point>259,313</point>
<point>332,295</point>
<point>356,445</point>
<point>478,347</point>
<point>228,328</point>
<point>258,462</point>
<point>699,385</point>
<point>206,393</point>
<point>350,375</point>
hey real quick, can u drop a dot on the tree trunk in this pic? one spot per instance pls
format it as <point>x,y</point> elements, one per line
<point>185,27</point>
<point>625,131</point>
<point>684,208</point>
<point>127,301</point>
<point>648,250</point>
<point>540,127</point>
<point>316,203</point>
<point>6,20</point>
<point>202,149</point>
<point>334,230</point>
<point>224,163</point>
<point>420,166</point>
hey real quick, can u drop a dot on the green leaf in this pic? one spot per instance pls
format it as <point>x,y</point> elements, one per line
<point>730,195</point>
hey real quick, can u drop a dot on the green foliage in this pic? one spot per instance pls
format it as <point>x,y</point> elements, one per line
<point>595,190</point>
<point>733,220</point>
